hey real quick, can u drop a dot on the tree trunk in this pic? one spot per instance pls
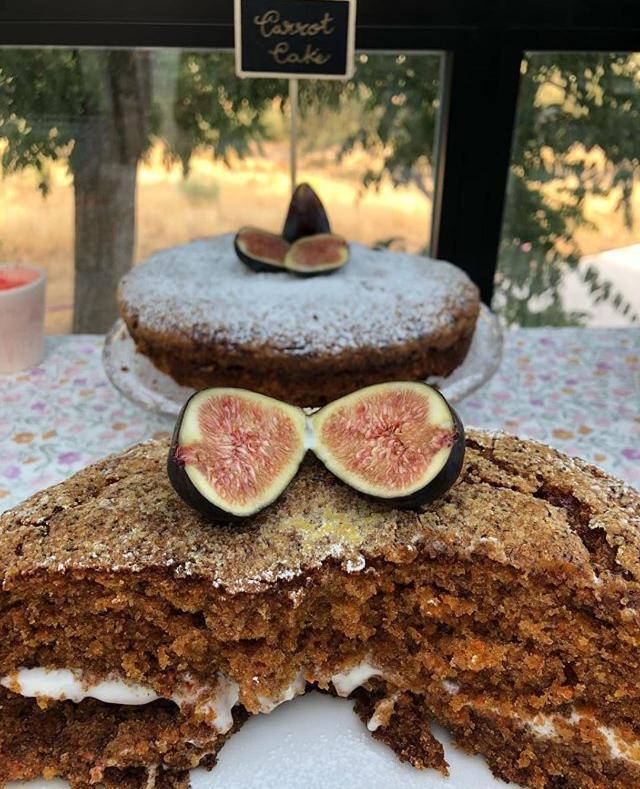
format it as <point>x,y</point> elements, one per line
<point>104,242</point>
<point>111,138</point>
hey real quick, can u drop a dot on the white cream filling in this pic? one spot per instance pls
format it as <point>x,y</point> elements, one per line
<point>345,682</point>
<point>217,705</point>
<point>66,685</point>
<point>210,703</point>
<point>382,712</point>
<point>295,688</point>
<point>451,687</point>
<point>546,726</point>
<point>62,684</point>
<point>614,743</point>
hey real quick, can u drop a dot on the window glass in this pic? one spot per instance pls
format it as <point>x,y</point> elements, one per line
<point>108,155</point>
<point>368,144</point>
<point>570,251</point>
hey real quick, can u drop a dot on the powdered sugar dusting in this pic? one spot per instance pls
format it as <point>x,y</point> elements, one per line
<point>202,290</point>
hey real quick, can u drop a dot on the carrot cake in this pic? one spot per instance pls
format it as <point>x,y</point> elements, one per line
<point>206,319</point>
<point>136,636</point>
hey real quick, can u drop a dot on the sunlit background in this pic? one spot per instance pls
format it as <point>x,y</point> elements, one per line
<point>215,155</point>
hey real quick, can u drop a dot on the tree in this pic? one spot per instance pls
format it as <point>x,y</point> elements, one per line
<point>398,97</point>
<point>595,105</point>
<point>101,108</point>
<point>95,109</point>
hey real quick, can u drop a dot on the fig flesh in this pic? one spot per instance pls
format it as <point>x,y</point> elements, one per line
<point>233,451</point>
<point>261,250</point>
<point>400,442</point>
<point>306,215</point>
<point>319,254</point>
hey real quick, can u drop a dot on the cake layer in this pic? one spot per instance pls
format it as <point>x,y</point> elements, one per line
<point>304,382</point>
<point>205,319</point>
<point>510,605</point>
<point>92,743</point>
<point>538,752</point>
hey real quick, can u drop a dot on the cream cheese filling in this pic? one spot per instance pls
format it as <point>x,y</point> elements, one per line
<point>213,703</point>
<point>62,684</point>
<point>295,688</point>
<point>345,682</point>
<point>550,726</point>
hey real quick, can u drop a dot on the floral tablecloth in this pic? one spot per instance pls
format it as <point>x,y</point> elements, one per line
<point>576,389</point>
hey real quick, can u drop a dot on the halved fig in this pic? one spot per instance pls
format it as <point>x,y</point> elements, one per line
<point>321,254</point>
<point>261,250</point>
<point>233,451</point>
<point>400,442</point>
<point>306,215</point>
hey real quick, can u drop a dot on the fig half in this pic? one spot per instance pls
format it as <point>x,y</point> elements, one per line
<point>306,215</point>
<point>261,250</point>
<point>401,442</point>
<point>320,254</point>
<point>233,451</point>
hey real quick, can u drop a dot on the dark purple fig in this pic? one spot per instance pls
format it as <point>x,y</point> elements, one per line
<point>320,254</point>
<point>234,452</point>
<point>400,442</point>
<point>306,215</point>
<point>261,250</point>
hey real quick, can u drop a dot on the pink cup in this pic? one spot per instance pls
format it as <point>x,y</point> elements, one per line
<point>21,316</point>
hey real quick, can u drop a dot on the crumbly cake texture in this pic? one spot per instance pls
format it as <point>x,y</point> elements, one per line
<point>115,746</point>
<point>508,611</point>
<point>206,319</point>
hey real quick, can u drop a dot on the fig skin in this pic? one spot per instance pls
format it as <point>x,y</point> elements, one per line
<point>436,487</point>
<point>292,265</point>
<point>256,263</point>
<point>306,215</point>
<point>187,490</point>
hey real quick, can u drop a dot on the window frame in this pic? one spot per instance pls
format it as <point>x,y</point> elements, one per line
<point>483,42</point>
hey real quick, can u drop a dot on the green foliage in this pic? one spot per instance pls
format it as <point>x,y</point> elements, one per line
<point>397,99</point>
<point>570,105</point>
<point>49,99</point>
<point>216,109</point>
<point>42,101</point>
<point>594,103</point>
<point>402,93</point>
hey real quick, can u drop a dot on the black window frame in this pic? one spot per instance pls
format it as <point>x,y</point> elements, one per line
<point>483,42</point>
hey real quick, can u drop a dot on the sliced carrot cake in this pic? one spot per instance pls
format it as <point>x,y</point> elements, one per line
<point>136,635</point>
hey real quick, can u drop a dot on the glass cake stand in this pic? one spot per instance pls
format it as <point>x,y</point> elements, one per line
<point>135,376</point>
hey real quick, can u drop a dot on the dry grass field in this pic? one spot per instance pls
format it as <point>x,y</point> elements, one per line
<point>216,198</point>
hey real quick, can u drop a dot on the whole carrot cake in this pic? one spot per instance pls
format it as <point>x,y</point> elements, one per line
<point>136,636</point>
<point>206,319</point>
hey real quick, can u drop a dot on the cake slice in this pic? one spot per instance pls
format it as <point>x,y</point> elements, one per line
<point>135,636</point>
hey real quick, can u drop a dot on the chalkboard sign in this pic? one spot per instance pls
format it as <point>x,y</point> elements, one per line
<point>295,38</point>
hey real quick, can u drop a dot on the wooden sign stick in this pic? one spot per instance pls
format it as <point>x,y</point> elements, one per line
<point>293,145</point>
